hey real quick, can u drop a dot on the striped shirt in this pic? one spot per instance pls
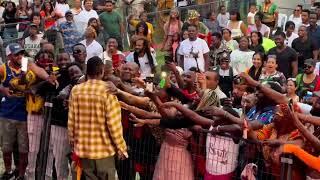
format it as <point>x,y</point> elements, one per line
<point>94,121</point>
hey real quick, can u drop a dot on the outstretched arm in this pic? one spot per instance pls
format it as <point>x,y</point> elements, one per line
<point>190,114</point>
<point>267,91</point>
<point>309,119</point>
<point>306,133</point>
<point>140,112</point>
<point>141,102</point>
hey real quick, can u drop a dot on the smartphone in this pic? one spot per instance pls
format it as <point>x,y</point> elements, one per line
<point>24,64</point>
<point>149,82</point>
<point>291,105</point>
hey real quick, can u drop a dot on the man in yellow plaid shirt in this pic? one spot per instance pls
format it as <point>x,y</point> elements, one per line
<point>94,124</point>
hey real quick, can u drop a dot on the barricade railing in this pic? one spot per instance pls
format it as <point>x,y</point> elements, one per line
<point>158,15</point>
<point>163,154</point>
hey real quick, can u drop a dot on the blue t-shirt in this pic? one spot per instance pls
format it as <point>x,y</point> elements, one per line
<point>264,116</point>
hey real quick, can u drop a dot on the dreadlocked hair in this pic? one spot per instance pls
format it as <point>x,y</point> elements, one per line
<point>146,50</point>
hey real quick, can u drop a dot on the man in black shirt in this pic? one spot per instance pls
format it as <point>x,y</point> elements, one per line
<point>59,142</point>
<point>305,47</point>
<point>286,56</point>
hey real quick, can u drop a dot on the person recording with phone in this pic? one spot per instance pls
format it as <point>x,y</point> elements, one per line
<point>13,105</point>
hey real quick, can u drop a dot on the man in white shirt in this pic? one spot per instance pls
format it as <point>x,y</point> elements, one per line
<point>31,44</point>
<point>194,52</point>
<point>81,20</point>
<point>92,46</point>
<point>290,35</point>
<point>144,56</point>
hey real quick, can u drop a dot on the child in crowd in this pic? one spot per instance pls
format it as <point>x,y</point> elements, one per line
<point>252,12</point>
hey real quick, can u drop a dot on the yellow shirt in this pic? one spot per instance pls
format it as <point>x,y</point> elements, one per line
<point>150,28</point>
<point>34,103</point>
<point>94,123</point>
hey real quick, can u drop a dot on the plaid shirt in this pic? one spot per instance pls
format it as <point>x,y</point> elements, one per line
<point>94,123</point>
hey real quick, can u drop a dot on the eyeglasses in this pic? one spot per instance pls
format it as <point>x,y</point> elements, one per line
<point>297,10</point>
<point>292,79</point>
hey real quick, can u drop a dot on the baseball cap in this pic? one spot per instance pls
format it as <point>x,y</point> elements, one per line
<point>14,48</point>
<point>193,14</point>
<point>310,62</point>
<point>68,13</point>
<point>224,56</point>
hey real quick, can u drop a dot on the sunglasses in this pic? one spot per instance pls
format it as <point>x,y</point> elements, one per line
<point>297,10</point>
<point>307,66</point>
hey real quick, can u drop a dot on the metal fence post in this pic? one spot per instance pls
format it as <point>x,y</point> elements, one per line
<point>45,139</point>
<point>286,167</point>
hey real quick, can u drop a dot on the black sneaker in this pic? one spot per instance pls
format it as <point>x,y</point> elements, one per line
<point>16,173</point>
<point>7,176</point>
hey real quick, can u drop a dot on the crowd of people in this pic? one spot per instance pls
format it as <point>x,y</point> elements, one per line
<point>227,101</point>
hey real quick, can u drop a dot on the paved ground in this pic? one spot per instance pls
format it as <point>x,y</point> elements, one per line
<point>1,163</point>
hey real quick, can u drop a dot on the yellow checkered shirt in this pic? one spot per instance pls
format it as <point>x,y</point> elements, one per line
<point>94,122</point>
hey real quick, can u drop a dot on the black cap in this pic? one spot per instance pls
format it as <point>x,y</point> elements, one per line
<point>223,56</point>
<point>68,13</point>
<point>310,62</point>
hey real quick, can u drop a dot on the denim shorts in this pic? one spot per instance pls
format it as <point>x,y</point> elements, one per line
<point>13,131</point>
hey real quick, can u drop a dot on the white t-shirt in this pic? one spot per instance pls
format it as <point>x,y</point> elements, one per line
<point>251,15</point>
<point>240,61</point>
<point>81,20</point>
<point>317,68</point>
<point>198,46</point>
<point>32,47</point>
<point>220,94</point>
<point>94,49</point>
<point>223,19</point>
<point>288,41</point>
<point>297,22</point>
<point>145,68</point>
<point>232,44</point>
<point>221,155</point>
<point>1,12</point>
<point>61,9</point>
<point>305,108</point>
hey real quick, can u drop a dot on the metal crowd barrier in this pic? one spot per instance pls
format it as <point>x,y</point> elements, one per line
<point>156,153</point>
